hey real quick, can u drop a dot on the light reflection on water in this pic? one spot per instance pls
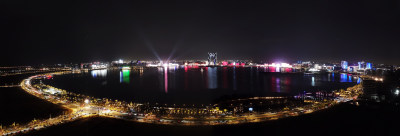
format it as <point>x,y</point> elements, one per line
<point>312,81</point>
<point>278,85</point>
<point>166,79</point>
<point>199,84</point>
<point>99,73</point>
<point>124,76</point>
<point>212,77</point>
<point>234,78</point>
<point>344,77</point>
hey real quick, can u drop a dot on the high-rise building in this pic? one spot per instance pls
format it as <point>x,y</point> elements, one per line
<point>361,65</point>
<point>369,66</point>
<point>344,65</point>
<point>212,58</point>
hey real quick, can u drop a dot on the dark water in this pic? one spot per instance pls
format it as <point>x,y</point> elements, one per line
<point>194,85</point>
<point>15,79</point>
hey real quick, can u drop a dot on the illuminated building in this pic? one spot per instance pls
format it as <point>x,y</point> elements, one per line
<point>344,65</point>
<point>361,65</point>
<point>212,59</point>
<point>94,65</point>
<point>224,63</point>
<point>306,64</point>
<point>369,66</point>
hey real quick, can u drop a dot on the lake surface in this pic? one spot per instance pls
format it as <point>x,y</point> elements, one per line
<point>195,85</point>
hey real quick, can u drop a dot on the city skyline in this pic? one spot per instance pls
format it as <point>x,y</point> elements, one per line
<point>55,32</point>
<point>179,67</point>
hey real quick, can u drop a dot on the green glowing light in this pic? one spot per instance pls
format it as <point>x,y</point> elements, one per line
<point>125,76</point>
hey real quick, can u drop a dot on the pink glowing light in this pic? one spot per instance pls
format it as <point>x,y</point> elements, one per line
<point>166,79</point>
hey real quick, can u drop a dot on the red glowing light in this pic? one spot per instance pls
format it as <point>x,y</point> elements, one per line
<point>288,70</point>
<point>272,69</point>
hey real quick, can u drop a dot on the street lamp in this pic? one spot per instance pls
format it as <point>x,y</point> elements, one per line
<point>397,92</point>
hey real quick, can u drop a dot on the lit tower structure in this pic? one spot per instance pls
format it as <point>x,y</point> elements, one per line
<point>212,58</point>
<point>369,66</point>
<point>344,65</point>
<point>361,65</point>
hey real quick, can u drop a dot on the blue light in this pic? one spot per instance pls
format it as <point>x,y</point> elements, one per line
<point>212,77</point>
<point>344,65</point>
<point>369,66</point>
<point>343,77</point>
<point>120,77</point>
<point>358,80</point>
<point>312,81</point>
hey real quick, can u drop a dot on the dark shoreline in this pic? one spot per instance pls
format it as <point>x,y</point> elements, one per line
<point>21,107</point>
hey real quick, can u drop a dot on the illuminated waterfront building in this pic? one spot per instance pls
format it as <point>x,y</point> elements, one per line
<point>212,59</point>
<point>344,65</point>
<point>361,65</point>
<point>369,66</point>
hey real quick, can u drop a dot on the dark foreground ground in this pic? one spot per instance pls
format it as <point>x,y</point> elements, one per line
<point>344,119</point>
<point>18,106</point>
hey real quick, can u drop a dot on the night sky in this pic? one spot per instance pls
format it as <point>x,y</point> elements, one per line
<point>48,32</point>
